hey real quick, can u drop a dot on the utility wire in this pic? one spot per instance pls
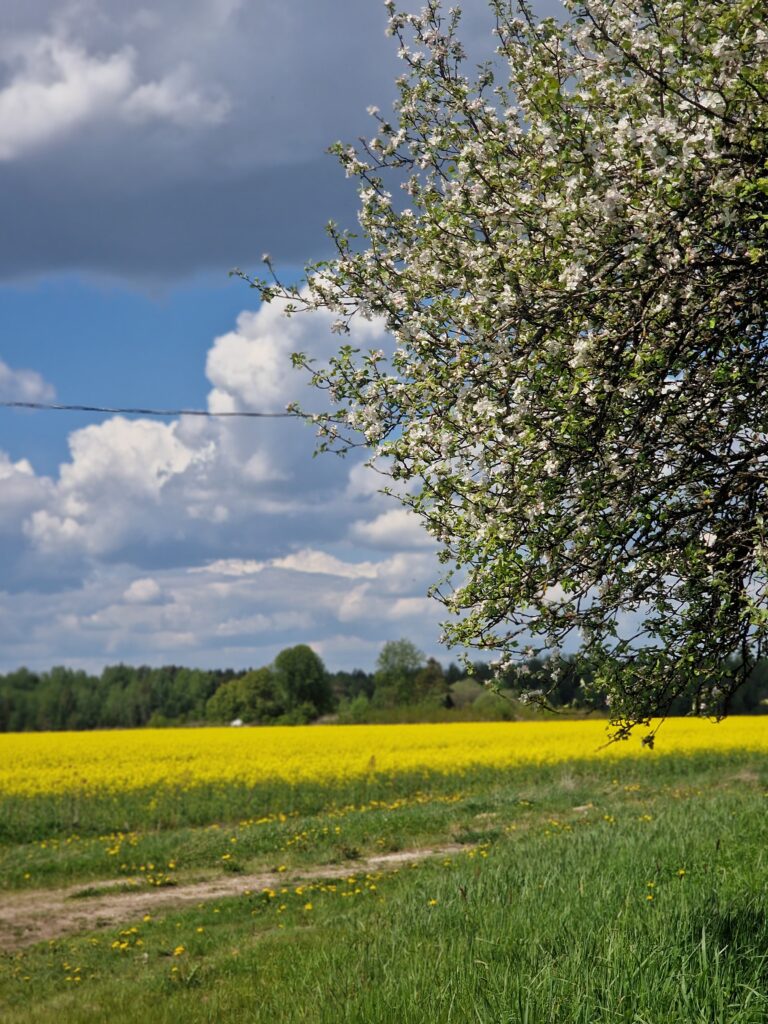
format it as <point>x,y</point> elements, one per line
<point>148,412</point>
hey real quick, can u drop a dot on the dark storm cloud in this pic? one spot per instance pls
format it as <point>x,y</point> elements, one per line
<point>167,228</point>
<point>191,136</point>
<point>135,184</point>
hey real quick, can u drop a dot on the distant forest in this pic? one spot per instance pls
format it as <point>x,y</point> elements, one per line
<point>297,688</point>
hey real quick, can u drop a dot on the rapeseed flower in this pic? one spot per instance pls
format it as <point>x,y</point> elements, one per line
<point>127,760</point>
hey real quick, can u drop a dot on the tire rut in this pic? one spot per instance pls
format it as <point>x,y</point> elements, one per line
<point>44,914</point>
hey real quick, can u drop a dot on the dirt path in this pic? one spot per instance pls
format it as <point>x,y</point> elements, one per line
<point>36,915</point>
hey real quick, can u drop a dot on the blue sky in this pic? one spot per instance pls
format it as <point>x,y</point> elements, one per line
<point>144,151</point>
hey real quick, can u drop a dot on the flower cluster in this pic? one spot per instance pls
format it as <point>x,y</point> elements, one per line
<point>39,764</point>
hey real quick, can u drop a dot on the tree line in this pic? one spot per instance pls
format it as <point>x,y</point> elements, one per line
<point>297,688</point>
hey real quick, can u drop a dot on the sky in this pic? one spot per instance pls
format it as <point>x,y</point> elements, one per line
<point>144,152</point>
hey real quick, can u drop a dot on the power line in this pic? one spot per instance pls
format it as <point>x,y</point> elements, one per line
<point>148,412</point>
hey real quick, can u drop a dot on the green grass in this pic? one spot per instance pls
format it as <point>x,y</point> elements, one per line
<point>545,919</point>
<point>257,829</point>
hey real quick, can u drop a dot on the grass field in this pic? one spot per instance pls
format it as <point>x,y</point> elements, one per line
<point>566,883</point>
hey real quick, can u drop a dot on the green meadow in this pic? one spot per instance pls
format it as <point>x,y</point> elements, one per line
<point>633,891</point>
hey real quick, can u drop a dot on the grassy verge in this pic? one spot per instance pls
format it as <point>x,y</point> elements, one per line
<point>629,892</point>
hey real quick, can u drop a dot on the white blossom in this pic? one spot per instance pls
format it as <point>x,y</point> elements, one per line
<point>578,293</point>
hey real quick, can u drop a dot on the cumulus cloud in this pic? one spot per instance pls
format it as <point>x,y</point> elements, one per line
<point>114,486</point>
<point>411,608</point>
<point>142,591</point>
<point>23,385</point>
<point>231,567</point>
<point>213,618</point>
<point>21,492</point>
<point>174,98</point>
<point>56,86</point>
<point>218,541</point>
<point>197,483</point>
<point>261,623</point>
<point>365,482</point>
<point>396,528</point>
<point>250,367</point>
<point>321,562</point>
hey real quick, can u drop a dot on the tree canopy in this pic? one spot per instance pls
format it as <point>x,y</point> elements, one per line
<point>397,666</point>
<point>301,678</point>
<point>568,248</point>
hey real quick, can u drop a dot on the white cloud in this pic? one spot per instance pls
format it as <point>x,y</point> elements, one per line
<point>231,567</point>
<point>266,552</point>
<point>56,87</point>
<point>21,492</point>
<point>23,385</point>
<point>359,651</point>
<point>366,482</point>
<point>190,481</point>
<point>402,570</point>
<point>173,640</point>
<point>114,486</point>
<point>309,561</point>
<point>250,367</point>
<point>396,528</point>
<point>142,591</point>
<point>411,608</point>
<point>355,604</point>
<point>203,619</point>
<point>174,98</point>
<point>9,469</point>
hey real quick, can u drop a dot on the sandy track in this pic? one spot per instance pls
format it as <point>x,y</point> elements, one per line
<point>40,914</point>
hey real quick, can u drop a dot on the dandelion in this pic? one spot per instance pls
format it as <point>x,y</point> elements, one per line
<point>179,951</point>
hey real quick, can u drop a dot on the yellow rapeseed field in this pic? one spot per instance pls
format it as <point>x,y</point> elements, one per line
<point>119,761</point>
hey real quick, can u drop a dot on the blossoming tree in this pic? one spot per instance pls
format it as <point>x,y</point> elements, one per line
<point>569,248</point>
